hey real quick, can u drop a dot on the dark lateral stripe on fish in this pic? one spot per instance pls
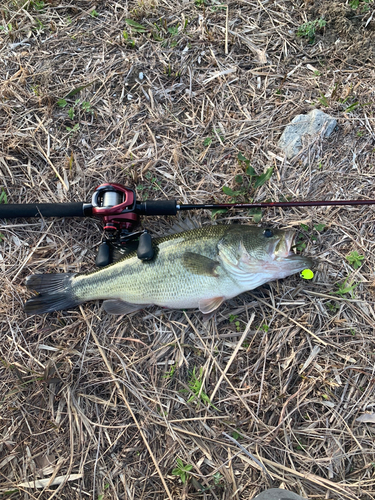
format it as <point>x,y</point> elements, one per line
<point>55,293</point>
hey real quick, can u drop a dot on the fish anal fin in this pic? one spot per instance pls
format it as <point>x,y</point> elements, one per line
<point>206,306</point>
<point>118,306</point>
<point>200,264</point>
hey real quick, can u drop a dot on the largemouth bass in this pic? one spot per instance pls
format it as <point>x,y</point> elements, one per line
<point>199,268</point>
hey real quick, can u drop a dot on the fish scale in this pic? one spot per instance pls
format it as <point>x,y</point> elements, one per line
<point>197,268</point>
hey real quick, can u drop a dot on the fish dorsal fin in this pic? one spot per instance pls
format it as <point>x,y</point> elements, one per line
<point>199,264</point>
<point>206,306</point>
<point>118,306</point>
<point>184,225</point>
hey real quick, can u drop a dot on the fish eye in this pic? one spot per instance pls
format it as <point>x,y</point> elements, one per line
<point>268,233</point>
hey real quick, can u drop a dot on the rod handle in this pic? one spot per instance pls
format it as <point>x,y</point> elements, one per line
<point>77,209</point>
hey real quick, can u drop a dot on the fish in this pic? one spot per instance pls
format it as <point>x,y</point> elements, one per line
<point>199,268</point>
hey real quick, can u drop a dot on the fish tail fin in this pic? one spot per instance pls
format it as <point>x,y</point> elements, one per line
<point>55,293</point>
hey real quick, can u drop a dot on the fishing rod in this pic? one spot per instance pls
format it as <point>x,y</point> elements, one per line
<point>120,211</point>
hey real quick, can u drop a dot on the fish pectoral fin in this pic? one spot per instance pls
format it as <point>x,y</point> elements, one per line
<point>199,264</point>
<point>118,306</point>
<point>206,306</point>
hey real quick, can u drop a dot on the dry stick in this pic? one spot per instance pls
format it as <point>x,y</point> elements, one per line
<point>234,354</point>
<point>126,403</point>
<point>292,320</point>
<point>52,165</point>
<point>226,30</point>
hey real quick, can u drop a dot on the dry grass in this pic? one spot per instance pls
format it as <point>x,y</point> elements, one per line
<point>89,400</point>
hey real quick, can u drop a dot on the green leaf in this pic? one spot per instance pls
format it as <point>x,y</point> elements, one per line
<point>78,89</point>
<point>215,211</point>
<point>238,179</point>
<point>305,227</point>
<point>351,107</point>
<point>250,171</point>
<point>257,214</point>
<point>62,103</point>
<point>229,192</point>
<point>355,259</point>
<point>137,27</point>
<point>262,179</point>
<point>207,141</point>
<point>319,227</point>
<point>323,100</point>
<point>3,196</point>
<point>241,157</point>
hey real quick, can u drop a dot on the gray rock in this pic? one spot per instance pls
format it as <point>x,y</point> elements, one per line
<point>311,124</point>
<point>278,494</point>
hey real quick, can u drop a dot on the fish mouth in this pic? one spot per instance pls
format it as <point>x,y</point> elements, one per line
<point>287,259</point>
<point>283,248</point>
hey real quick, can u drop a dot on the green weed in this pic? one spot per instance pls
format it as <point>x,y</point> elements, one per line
<point>355,259</point>
<point>71,113</point>
<point>233,319</point>
<point>195,385</point>
<point>38,5</point>
<point>171,371</point>
<point>7,29</point>
<point>236,435</point>
<point>208,140</point>
<point>134,26</point>
<point>307,234</point>
<point>364,4</point>
<point>128,40</point>
<point>344,288</point>
<point>352,107</point>
<point>182,470</point>
<point>3,196</point>
<point>332,306</point>
<point>39,25</point>
<point>319,227</point>
<point>86,106</point>
<point>73,129</point>
<point>251,182</point>
<point>153,183</point>
<point>216,211</point>
<point>323,100</point>
<point>308,30</point>
<point>217,478</point>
